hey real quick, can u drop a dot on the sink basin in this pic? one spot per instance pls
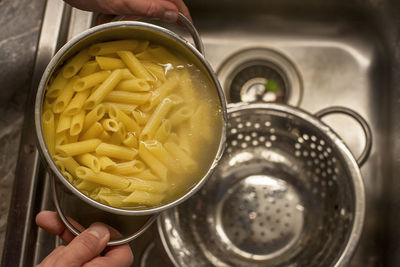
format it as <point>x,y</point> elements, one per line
<point>318,53</point>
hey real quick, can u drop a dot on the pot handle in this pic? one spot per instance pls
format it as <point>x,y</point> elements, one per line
<point>364,125</point>
<point>76,232</point>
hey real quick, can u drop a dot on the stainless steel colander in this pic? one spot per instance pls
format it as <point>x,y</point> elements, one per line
<point>287,192</point>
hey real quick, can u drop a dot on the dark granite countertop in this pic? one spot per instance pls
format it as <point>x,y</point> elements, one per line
<point>20,22</point>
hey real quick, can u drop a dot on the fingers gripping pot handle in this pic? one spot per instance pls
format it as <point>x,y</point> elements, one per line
<point>362,158</point>
<point>76,232</point>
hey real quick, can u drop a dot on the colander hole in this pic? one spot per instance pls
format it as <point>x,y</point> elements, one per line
<point>309,162</point>
<point>262,234</point>
<point>288,215</point>
<point>329,162</point>
<point>266,208</point>
<point>240,136</point>
<point>336,170</point>
<point>248,124</point>
<point>238,119</point>
<point>287,205</point>
<point>313,154</point>
<point>330,183</point>
<point>257,125</point>
<point>315,191</point>
<point>261,138</point>
<point>240,125</point>
<point>305,136</point>
<point>313,146</point>
<point>255,143</point>
<point>300,140</point>
<point>229,150</point>
<point>319,148</point>
<point>278,221</point>
<point>313,138</point>
<point>323,174</point>
<point>328,149</point>
<point>267,123</point>
<point>234,131</point>
<point>334,177</point>
<point>323,194</point>
<point>322,165</point>
<point>282,234</point>
<point>317,170</point>
<point>254,134</point>
<point>316,161</point>
<point>305,153</point>
<point>326,154</point>
<point>322,142</point>
<point>272,137</point>
<point>234,142</point>
<point>316,179</point>
<point>243,145</point>
<point>334,160</point>
<point>272,130</point>
<point>268,144</point>
<point>321,157</point>
<point>278,211</point>
<point>297,146</point>
<point>268,218</point>
<point>297,153</point>
<point>247,138</point>
<point>272,229</point>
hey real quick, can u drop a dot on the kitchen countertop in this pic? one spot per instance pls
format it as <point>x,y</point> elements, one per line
<point>21,22</point>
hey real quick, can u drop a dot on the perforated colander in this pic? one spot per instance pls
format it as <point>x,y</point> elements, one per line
<point>287,192</point>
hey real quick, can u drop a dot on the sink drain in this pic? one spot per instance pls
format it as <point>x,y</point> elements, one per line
<point>260,75</point>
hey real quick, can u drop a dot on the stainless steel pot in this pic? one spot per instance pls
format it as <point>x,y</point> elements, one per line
<point>127,30</point>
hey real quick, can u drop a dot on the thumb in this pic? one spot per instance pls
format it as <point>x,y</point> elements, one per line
<point>89,244</point>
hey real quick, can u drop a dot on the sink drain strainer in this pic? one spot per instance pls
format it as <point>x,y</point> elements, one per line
<point>260,75</point>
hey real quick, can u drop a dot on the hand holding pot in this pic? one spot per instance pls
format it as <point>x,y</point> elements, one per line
<point>85,249</point>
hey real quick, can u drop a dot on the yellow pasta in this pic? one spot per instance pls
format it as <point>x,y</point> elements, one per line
<point>77,148</point>
<point>163,131</point>
<point>57,85</point>
<point>133,126</point>
<point>49,130</point>
<point>89,68</point>
<point>133,85</point>
<point>117,152</point>
<point>91,80</point>
<point>104,178</point>
<point>135,66</point>
<point>89,161</point>
<point>64,123</point>
<point>106,163</point>
<point>128,97</point>
<point>92,132</point>
<point>77,123</point>
<point>152,162</point>
<point>109,63</point>
<point>64,97</point>
<point>104,89</point>
<point>113,47</point>
<point>130,124</point>
<point>156,118</point>
<point>129,167</point>
<point>94,115</point>
<point>75,64</point>
<point>145,198</point>
<point>69,163</point>
<point>76,104</point>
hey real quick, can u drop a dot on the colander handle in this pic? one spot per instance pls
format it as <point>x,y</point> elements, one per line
<point>364,125</point>
<point>185,22</point>
<point>76,232</point>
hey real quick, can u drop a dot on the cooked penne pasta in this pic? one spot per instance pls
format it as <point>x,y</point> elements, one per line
<point>104,89</point>
<point>77,148</point>
<point>157,70</point>
<point>147,186</point>
<point>118,136</point>
<point>145,198</point>
<point>128,97</point>
<point>183,158</point>
<point>117,152</point>
<point>164,56</point>
<point>127,74</point>
<point>56,86</point>
<point>181,115</point>
<point>158,151</point>
<point>64,123</point>
<point>64,97</point>
<point>67,175</point>
<point>147,175</point>
<point>127,108</point>
<point>49,130</point>
<point>69,163</point>
<point>130,124</point>
<point>94,115</point>
<point>140,117</point>
<point>76,104</point>
<point>110,125</point>
<point>62,138</point>
<point>89,161</point>
<point>130,140</point>
<point>103,178</point>
<point>77,123</point>
<point>86,185</point>
<point>75,64</point>
<point>164,131</point>
<point>129,167</point>
<point>134,65</point>
<point>104,136</point>
<point>89,68</point>
<point>152,162</point>
<point>93,132</point>
<point>109,63</point>
<point>156,118</point>
<point>113,47</point>
<point>106,164</point>
<point>91,80</point>
<point>134,85</point>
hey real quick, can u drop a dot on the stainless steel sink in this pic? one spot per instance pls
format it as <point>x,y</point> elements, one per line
<point>322,53</point>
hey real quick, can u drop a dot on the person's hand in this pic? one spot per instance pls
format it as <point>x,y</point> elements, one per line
<point>166,10</point>
<point>83,250</point>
